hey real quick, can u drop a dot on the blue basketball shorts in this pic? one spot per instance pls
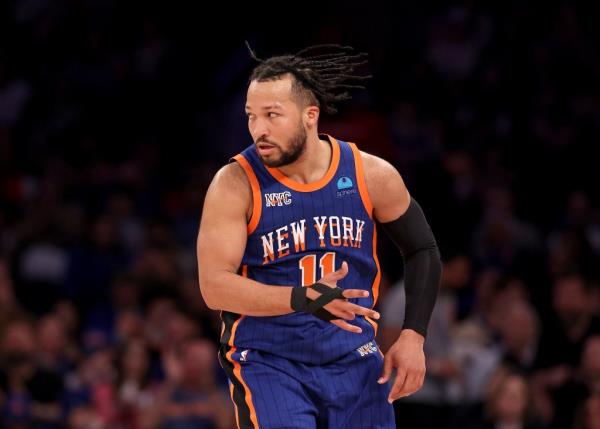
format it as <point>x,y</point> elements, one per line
<point>271,392</point>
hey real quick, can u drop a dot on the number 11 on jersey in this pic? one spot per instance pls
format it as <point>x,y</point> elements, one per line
<point>308,266</point>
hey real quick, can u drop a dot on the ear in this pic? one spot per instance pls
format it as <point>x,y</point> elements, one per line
<point>311,116</point>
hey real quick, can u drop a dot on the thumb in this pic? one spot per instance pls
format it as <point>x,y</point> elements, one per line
<point>337,275</point>
<point>342,272</point>
<point>387,369</point>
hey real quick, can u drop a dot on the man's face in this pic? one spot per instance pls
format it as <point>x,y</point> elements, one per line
<point>275,122</point>
<point>570,299</point>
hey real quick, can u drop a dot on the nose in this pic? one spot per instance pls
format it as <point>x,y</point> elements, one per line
<point>259,129</point>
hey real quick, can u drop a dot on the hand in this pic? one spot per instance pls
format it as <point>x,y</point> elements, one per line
<point>407,356</point>
<point>341,307</point>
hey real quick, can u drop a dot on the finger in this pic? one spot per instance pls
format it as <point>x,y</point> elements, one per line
<point>387,369</point>
<point>340,273</point>
<point>346,326</point>
<point>398,385</point>
<point>346,315</point>
<point>363,311</point>
<point>343,269</point>
<point>355,293</point>
<point>410,385</point>
<point>337,309</point>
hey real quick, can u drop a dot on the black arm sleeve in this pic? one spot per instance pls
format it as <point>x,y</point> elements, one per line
<point>422,265</point>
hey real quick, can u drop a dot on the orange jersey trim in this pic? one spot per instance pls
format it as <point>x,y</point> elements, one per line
<point>373,323</point>
<point>360,178</point>
<point>376,281</point>
<point>256,197</point>
<point>314,186</point>
<point>237,370</point>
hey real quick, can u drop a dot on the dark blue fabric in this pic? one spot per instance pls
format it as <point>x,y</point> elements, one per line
<point>340,395</point>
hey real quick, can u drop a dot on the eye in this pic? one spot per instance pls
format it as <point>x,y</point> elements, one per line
<point>273,115</point>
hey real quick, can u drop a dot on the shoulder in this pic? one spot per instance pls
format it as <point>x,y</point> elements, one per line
<point>377,170</point>
<point>387,191</point>
<point>232,175</point>
<point>231,186</point>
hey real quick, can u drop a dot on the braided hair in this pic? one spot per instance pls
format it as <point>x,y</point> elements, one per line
<point>320,79</point>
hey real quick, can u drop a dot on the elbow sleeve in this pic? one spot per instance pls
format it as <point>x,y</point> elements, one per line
<point>422,265</point>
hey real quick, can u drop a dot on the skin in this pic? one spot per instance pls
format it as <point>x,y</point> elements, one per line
<point>274,118</point>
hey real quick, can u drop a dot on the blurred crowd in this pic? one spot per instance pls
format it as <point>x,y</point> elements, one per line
<point>114,116</point>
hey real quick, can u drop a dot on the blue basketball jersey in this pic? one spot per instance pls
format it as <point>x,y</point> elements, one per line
<point>296,235</point>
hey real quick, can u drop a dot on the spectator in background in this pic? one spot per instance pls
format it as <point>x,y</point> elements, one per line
<point>129,226</point>
<point>209,320</point>
<point>135,391</point>
<point>33,369</point>
<point>85,418</point>
<point>179,329</point>
<point>40,261</point>
<point>129,325</point>
<point>566,331</point>
<point>502,239</point>
<point>509,290</point>
<point>563,337</point>
<point>66,312</point>
<point>17,350</point>
<point>9,306</point>
<point>582,384</point>
<point>90,391</point>
<point>519,336</point>
<point>195,400</point>
<point>52,345</point>
<point>504,333</point>
<point>510,404</point>
<point>574,245</point>
<point>588,415</point>
<point>46,384</point>
<point>568,252</point>
<point>158,312</point>
<point>479,325</point>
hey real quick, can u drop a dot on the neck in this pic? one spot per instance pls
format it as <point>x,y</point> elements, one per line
<point>313,163</point>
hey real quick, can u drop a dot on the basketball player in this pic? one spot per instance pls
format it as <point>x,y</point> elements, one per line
<point>287,252</point>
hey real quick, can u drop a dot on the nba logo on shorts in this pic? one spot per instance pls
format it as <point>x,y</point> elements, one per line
<point>366,349</point>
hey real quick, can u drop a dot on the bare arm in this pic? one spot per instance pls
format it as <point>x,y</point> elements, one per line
<point>220,248</point>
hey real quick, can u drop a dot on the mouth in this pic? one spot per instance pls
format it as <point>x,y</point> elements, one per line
<point>265,148</point>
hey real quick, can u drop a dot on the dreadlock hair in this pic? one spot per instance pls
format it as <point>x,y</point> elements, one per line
<point>320,79</point>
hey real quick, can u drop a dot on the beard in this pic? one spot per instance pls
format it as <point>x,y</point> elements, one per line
<point>296,145</point>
